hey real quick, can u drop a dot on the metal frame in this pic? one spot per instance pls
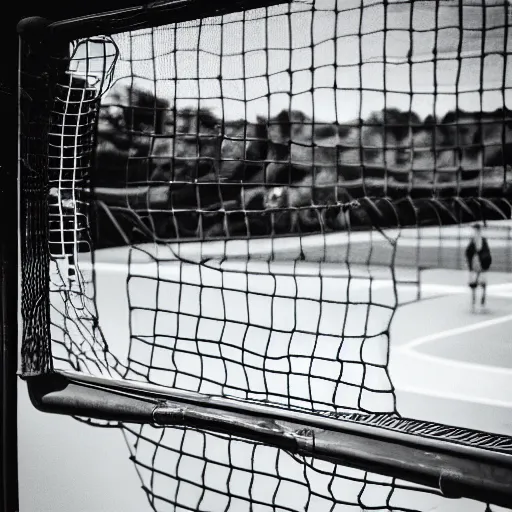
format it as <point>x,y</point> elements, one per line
<point>9,269</point>
<point>148,14</point>
<point>455,469</point>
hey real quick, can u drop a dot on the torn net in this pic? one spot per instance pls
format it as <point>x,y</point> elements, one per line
<point>254,192</point>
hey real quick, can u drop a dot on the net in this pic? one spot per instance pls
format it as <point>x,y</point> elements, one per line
<point>237,205</point>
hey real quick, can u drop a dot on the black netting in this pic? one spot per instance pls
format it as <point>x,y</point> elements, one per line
<point>238,205</point>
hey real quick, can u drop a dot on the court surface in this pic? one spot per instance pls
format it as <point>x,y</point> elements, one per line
<point>451,365</point>
<point>446,364</point>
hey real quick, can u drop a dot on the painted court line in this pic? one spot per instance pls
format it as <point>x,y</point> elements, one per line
<point>454,380</point>
<point>499,286</point>
<point>454,332</point>
<point>493,290</point>
<point>463,365</point>
<point>465,288</point>
<point>425,242</point>
<point>457,397</point>
<point>438,377</point>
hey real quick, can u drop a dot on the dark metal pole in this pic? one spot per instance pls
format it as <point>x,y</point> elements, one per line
<point>9,301</point>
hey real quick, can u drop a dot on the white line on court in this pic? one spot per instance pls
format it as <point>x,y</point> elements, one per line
<point>451,362</point>
<point>500,286</point>
<point>425,242</point>
<point>498,290</point>
<point>433,376</point>
<point>454,332</point>
<point>458,397</point>
<point>437,377</point>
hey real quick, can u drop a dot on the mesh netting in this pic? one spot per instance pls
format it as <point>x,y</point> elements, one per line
<point>238,205</point>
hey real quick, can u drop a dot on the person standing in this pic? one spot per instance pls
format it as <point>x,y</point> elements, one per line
<point>479,259</point>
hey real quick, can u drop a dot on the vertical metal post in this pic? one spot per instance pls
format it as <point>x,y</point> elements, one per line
<point>9,300</point>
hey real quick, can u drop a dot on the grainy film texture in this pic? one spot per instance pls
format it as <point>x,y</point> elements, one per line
<point>239,205</point>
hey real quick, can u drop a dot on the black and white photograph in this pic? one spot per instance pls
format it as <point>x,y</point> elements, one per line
<point>262,258</point>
